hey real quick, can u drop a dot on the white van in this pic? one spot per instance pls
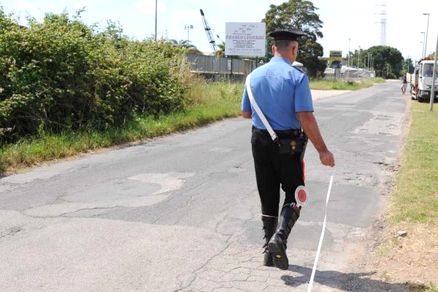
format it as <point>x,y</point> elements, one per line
<point>422,80</point>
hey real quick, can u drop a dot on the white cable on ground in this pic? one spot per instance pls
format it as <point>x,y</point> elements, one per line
<point>309,287</point>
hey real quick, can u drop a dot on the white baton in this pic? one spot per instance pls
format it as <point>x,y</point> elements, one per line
<point>312,276</point>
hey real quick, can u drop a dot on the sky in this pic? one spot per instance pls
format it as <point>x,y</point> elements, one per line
<point>347,24</point>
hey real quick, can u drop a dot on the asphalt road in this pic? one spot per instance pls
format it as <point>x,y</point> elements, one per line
<point>181,213</point>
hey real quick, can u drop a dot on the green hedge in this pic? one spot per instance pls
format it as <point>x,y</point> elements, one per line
<point>61,74</point>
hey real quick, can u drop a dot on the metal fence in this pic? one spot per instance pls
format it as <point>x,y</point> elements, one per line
<point>220,68</point>
<point>216,68</point>
<point>348,73</point>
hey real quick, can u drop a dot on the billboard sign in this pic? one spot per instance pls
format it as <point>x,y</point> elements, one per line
<point>336,55</point>
<point>245,39</point>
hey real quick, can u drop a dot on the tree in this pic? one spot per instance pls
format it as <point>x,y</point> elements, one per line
<point>408,66</point>
<point>221,50</point>
<point>299,14</point>
<point>387,61</point>
<point>185,45</point>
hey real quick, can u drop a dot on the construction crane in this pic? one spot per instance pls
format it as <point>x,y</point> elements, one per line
<point>208,32</point>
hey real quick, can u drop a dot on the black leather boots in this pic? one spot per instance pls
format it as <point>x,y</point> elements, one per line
<point>269,227</point>
<point>278,243</point>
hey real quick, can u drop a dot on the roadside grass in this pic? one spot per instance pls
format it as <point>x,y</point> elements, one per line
<point>413,210</point>
<point>209,102</point>
<point>320,84</point>
<point>431,288</point>
<point>422,288</point>
<point>415,198</point>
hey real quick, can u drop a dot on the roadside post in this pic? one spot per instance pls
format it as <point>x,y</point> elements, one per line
<point>335,58</point>
<point>432,90</point>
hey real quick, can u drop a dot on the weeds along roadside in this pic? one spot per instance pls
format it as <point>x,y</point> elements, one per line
<point>209,102</point>
<point>66,88</point>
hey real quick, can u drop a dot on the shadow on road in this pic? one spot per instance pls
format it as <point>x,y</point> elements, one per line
<point>341,281</point>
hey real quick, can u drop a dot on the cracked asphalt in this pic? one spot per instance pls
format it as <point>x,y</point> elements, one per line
<point>181,212</point>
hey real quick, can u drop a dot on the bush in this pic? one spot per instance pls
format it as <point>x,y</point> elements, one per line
<point>62,74</point>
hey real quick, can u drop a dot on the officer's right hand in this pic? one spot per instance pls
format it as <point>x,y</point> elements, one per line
<point>327,158</point>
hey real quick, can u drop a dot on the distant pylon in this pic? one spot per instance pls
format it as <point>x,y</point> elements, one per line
<point>382,22</point>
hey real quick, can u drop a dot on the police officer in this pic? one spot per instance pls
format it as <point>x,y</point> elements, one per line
<point>282,92</point>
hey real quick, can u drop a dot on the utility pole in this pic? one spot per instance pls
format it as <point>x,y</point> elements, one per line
<point>383,24</point>
<point>422,50</point>
<point>422,47</point>
<point>348,56</point>
<point>358,56</point>
<point>156,14</point>
<point>432,91</point>
<point>188,28</point>
<point>369,61</point>
<point>427,31</point>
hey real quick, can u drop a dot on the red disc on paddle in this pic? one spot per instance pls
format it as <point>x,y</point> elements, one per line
<point>301,196</point>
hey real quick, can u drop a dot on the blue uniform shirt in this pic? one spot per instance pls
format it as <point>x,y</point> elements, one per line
<point>280,90</point>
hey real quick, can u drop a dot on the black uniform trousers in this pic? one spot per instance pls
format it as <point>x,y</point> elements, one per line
<point>274,170</point>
